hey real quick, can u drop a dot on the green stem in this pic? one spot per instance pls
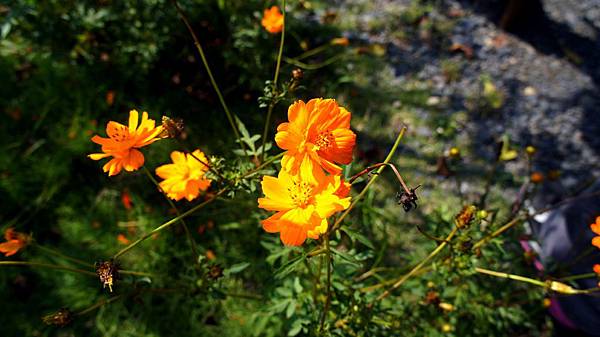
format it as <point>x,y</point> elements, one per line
<point>261,166</point>
<point>46,265</point>
<point>338,222</point>
<point>135,273</point>
<point>230,116</point>
<point>312,52</point>
<point>172,204</point>
<point>510,276</point>
<point>275,78</point>
<point>420,265</point>
<point>168,223</point>
<point>98,305</point>
<point>578,277</point>
<point>316,66</point>
<point>328,298</point>
<point>61,255</point>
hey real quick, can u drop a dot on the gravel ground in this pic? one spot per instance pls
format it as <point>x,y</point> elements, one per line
<point>548,74</point>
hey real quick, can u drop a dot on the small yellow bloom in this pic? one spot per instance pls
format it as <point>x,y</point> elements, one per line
<point>303,203</point>
<point>185,178</point>
<point>124,141</point>
<point>272,20</point>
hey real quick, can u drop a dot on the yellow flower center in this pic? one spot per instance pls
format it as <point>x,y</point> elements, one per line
<point>121,134</point>
<point>324,140</point>
<point>300,193</point>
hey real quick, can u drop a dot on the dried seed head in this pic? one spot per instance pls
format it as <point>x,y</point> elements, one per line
<point>215,272</point>
<point>464,218</point>
<point>172,128</point>
<point>297,74</point>
<point>432,297</point>
<point>107,272</point>
<point>60,318</point>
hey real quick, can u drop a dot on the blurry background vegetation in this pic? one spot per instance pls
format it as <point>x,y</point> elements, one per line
<point>68,67</point>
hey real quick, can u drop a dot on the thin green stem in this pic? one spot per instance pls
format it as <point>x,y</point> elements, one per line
<point>328,285</point>
<point>261,166</point>
<point>312,52</point>
<point>98,305</point>
<point>510,276</point>
<point>172,204</point>
<point>420,265</point>
<point>275,79</point>
<point>316,66</point>
<point>46,265</point>
<point>230,116</point>
<point>135,273</point>
<point>61,255</point>
<point>338,222</point>
<point>169,223</point>
<point>578,277</point>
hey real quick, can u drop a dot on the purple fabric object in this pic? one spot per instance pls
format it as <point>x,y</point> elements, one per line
<point>564,235</point>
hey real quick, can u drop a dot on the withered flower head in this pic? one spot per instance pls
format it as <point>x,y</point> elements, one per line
<point>215,272</point>
<point>432,297</point>
<point>172,127</point>
<point>297,74</point>
<point>60,318</point>
<point>408,199</point>
<point>464,218</point>
<point>107,271</point>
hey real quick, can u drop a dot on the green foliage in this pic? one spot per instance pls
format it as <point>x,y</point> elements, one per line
<point>70,67</point>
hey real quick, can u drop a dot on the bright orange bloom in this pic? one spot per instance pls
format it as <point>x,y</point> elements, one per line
<point>185,177</point>
<point>319,132</point>
<point>597,269</point>
<point>124,141</point>
<point>272,20</point>
<point>340,41</point>
<point>302,204</point>
<point>123,239</point>
<point>14,242</point>
<point>595,227</point>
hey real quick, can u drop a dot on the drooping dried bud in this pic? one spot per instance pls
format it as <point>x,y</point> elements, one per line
<point>408,200</point>
<point>107,271</point>
<point>464,218</point>
<point>172,127</point>
<point>60,318</point>
<point>215,272</point>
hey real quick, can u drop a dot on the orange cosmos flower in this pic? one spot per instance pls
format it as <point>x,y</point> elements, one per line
<point>272,20</point>
<point>596,229</point>
<point>317,131</point>
<point>302,204</point>
<point>185,177</point>
<point>14,242</point>
<point>124,141</point>
<point>597,269</point>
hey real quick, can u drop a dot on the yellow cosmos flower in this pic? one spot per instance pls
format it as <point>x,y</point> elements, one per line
<point>124,141</point>
<point>302,203</point>
<point>318,133</point>
<point>272,20</point>
<point>185,177</point>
